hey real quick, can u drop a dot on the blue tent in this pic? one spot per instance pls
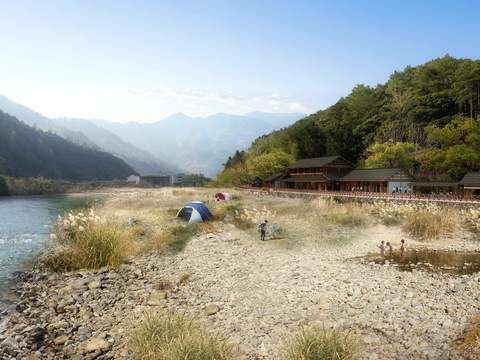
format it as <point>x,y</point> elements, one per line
<point>195,212</point>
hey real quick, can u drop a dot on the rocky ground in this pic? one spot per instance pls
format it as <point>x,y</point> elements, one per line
<point>254,292</point>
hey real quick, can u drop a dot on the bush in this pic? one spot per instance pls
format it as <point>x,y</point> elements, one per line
<point>430,225</point>
<point>319,343</point>
<point>174,337</point>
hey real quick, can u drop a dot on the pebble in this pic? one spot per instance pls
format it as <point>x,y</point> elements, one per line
<point>253,292</point>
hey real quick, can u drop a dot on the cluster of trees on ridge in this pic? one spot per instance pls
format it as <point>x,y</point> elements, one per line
<point>28,152</point>
<point>425,119</point>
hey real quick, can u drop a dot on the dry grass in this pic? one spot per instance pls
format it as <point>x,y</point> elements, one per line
<point>179,236</point>
<point>98,245</point>
<point>319,343</point>
<point>144,221</point>
<point>175,337</point>
<point>431,224</point>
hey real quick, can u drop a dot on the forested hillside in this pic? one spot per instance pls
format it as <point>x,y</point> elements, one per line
<point>424,119</point>
<point>28,152</point>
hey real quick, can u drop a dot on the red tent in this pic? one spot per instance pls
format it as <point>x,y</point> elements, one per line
<point>222,196</point>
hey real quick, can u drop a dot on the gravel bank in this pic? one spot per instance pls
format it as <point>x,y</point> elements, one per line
<point>251,291</point>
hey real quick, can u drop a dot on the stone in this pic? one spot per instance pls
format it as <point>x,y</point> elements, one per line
<point>96,344</point>
<point>94,284</point>
<point>211,309</point>
<point>60,340</point>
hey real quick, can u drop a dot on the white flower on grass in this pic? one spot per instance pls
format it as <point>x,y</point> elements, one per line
<point>81,228</point>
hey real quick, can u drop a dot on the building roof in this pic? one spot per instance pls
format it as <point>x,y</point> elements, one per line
<point>373,174</point>
<point>315,162</point>
<point>274,177</point>
<point>307,178</point>
<point>471,179</point>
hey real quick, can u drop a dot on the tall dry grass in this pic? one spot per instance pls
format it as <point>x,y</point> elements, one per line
<point>319,343</point>
<point>165,336</point>
<point>431,224</point>
<point>99,245</point>
<point>85,242</point>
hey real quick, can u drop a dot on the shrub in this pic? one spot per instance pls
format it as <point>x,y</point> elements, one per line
<point>319,343</point>
<point>430,224</point>
<point>175,337</point>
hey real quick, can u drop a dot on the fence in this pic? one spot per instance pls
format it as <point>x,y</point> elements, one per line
<point>438,198</point>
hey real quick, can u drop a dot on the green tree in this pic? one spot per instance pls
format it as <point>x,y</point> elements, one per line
<point>467,87</point>
<point>266,164</point>
<point>391,155</point>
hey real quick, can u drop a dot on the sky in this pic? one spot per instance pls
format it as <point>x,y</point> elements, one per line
<point>144,60</point>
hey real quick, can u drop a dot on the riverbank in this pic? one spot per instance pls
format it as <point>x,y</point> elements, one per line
<point>253,292</point>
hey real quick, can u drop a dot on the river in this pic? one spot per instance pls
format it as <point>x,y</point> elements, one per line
<point>25,226</point>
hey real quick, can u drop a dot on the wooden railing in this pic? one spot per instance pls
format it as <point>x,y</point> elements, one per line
<point>441,198</point>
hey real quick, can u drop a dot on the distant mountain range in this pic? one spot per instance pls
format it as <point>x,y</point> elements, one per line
<point>86,133</point>
<point>191,144</point>
<point>199,144</point>
<point>29,152</point>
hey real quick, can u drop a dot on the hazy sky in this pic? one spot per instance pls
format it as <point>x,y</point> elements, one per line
<point>143,60</point>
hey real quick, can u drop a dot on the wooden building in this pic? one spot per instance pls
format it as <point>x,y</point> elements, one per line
<point>377,180</point>
<point>273,181</point>
<point>316,173</point>
<point>471,184</point>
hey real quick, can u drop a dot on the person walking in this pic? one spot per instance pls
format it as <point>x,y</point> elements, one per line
<point>263,230</point>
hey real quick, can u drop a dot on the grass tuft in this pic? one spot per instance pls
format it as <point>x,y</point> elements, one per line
<point>98,245</point>
<point>179,236</point>
<point>429,225</point>
<point>165,336</point>
<point>319,343</point>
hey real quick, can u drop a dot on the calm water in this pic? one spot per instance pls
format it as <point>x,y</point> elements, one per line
<point>25,224</point>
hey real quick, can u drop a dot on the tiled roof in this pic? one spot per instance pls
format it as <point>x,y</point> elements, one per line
<point>314,162</point>
<point>471,179</point>
<point>371,174</point>
<point>274,177</point>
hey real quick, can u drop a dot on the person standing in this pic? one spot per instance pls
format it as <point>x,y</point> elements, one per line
<point>263,230</point>
<point>382,248</point>
<point>389,249</point>
<point>402,247</point>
